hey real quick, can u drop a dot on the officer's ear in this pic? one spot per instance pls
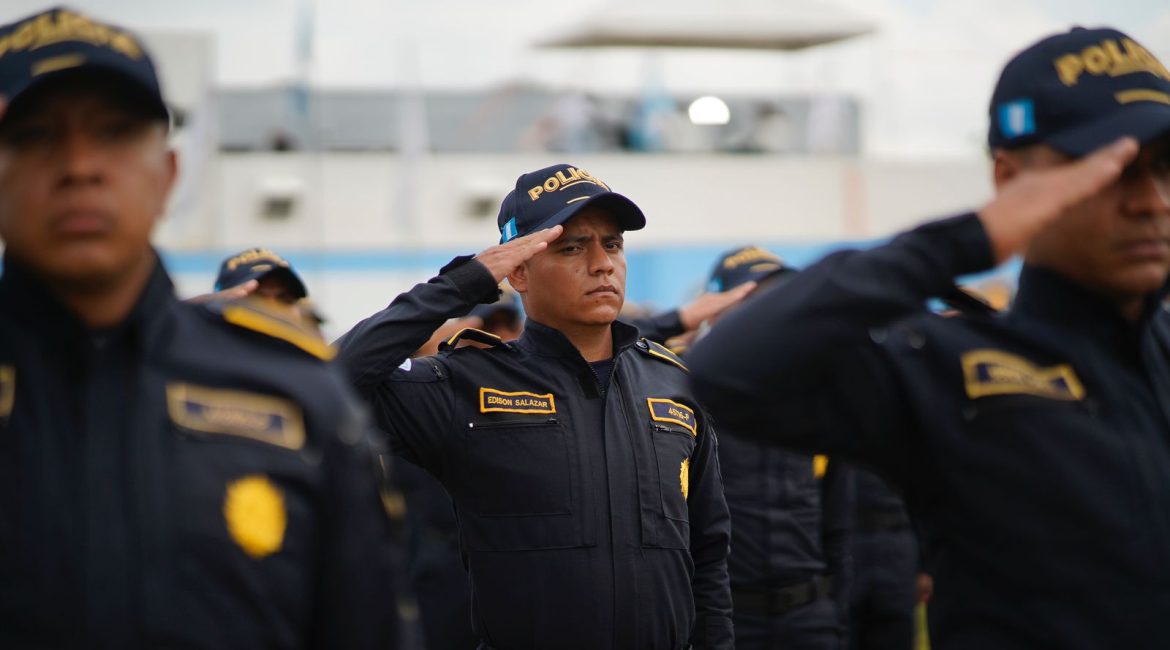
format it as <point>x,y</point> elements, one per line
<point>1006,166</point>
<point>518,278</point>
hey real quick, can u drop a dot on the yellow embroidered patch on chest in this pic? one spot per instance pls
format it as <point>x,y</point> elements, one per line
<point>274,420</point>
<point>994,372</point>
<point>665,410</point>
<point>499,401</point>
<point>684,478</point>
<point>254,511</point>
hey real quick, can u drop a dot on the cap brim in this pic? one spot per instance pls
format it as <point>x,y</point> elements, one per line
<point>298,286</point>
<point>1145,122</point>
<point>628,215</point>
<point>139,92</point>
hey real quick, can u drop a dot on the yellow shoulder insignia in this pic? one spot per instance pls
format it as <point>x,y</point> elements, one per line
<point>474,335</point>
<point>660,352</point>
<point>257,315</point>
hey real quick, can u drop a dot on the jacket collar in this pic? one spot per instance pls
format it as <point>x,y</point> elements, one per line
<point>550,342</point>
<point>1047,296</point>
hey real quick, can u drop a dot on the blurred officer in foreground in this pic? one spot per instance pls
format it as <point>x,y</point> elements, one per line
<point>1033,447</point>
<point>790,518</point>
<point>171,475</point>
<point>584,474</point>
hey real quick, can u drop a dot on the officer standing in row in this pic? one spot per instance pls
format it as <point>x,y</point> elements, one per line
<point>791,516</point>
<point>888,581</point>
<point>583,472</point>
<point>1032,447</point>
<point>171,474</point>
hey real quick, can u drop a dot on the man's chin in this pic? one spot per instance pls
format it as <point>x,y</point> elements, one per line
<point>84,268</point>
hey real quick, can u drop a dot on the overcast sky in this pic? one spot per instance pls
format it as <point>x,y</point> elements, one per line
<point>923,76</point>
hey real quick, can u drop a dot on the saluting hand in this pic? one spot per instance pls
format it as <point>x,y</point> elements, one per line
<point>1032,200</point>
<point>711,305</point>
<point>239,291</point>
<point>502,259</point>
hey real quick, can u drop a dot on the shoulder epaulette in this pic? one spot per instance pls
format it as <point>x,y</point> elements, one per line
<point>471,334</point>
<point>660,352</point>
<point>252,314</point>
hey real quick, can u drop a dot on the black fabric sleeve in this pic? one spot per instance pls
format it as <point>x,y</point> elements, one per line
<point>660,327</point>
<point>710,544</point>
<point>378,344</point>
<point>838,501</point>
<point>807,354</point>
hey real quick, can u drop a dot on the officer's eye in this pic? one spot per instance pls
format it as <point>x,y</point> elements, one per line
<point>615,245</point>
<point>117,128</point>
<point>571,248</point>
<point>27,134</point>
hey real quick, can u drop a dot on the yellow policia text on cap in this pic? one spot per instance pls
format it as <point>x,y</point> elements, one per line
<point>62,26</point>
<point>1108,58</point>
<point>255,255</point>
<point>560,181</point>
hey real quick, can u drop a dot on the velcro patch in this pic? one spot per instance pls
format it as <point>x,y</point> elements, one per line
<point>498,401</point>
<point>993,372</point>
<point>264,418</point>
<point>7,390</point>
<point>665,410</point>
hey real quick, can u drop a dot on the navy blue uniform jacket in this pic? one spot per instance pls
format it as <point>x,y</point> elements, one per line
<point>587,519</point>
<point>1033,447</point>
<point>181,481</point>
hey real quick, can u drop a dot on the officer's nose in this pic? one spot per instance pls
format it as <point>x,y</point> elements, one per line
<point>599,259</point>
<point>80,159</point>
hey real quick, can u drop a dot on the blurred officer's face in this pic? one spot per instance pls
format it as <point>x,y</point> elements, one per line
<point>1118,241</point>
<point>84,175</point>
<point>580,279</point>
<point>278,288</point>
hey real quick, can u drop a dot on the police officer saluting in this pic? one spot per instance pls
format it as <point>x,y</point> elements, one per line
<point>583,472</point>
<point>171,474</point>
<point>790,515</point>
<point>1032,447</point>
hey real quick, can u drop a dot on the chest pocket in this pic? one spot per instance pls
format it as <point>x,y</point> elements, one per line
<point>673,430</point>
<point>517,487</point>
<point>1077,468</point>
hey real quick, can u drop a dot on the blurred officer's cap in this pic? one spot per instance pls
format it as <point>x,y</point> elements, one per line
<point>509,303</point>
<point>60,43</point>
<point>254,264</point>
<point>553,195</point>
<point>1079,91</point>
<point>745,264</point>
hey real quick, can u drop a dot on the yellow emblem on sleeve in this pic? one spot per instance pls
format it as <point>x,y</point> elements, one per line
<point>684,478</point>
<point>498,401</point>
<point>665,410</point>
<point>7,390</point>
<point>254,511</point>
<point>994,372</point>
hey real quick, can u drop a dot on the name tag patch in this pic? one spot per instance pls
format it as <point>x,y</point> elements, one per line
<point>264,418</point>
<point>665,410</point>
<point>7,390</point>
<point>993,372</point>
<point>499,401</point>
